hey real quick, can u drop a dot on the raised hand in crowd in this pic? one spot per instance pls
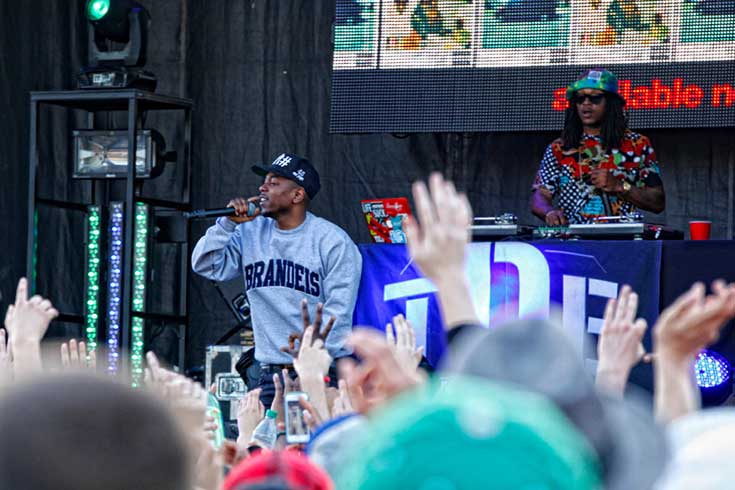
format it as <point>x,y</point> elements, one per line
<point>209,467</point>
<point>437,244</point>
<point>188,402</point>
<point>401,339</point>
<point>620,345</point>
<point>683,329</point>
<point>278,402</point>
<point>289,384</point>
<point>379,377</point>
<point>74,356</point>
<point>342,404</point>
<point>312,365</point>
<point>250,411</point>
<point>187,398</point>
<point>6,360</point>
<point>319,333</point>
<point>26,322</point>
<point>312,417</point>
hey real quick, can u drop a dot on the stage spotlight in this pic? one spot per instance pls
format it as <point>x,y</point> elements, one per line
<point>104,154</point>
<point>714,377</point>
<point>117,42</point>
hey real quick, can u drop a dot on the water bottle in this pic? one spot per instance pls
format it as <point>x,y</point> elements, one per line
<point>266,433</point>
<point>213,410</point>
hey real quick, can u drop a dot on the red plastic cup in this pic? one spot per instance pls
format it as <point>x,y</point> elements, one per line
<point>699,230</point>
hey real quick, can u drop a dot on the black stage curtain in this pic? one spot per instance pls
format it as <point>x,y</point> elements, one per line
<point>259,74</point>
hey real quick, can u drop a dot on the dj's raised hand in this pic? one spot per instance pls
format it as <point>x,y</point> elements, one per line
<point>603,179</point>
<point>241,206</point>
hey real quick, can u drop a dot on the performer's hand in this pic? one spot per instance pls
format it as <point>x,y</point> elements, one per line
<point>556,217</point>
<point>241,209</point>
<point>291,348</point>
<point>604,180</point>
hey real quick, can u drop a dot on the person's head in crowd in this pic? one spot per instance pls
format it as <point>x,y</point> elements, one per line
<point>277,470</point>
<point>595,107</point>
<point>703,445</point>
<point>467,434</point>
<point>329,444</point>
<point>538,356</point>
<point>78,432</point>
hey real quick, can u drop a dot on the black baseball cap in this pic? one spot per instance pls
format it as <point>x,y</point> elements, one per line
<point>293,167</point>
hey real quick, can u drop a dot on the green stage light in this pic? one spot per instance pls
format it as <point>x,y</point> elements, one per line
<point>140,258</point>
<point>92,291</point>
<point>117,40</point>
<point>96,9</point>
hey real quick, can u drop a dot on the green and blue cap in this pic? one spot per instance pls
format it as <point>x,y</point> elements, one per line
<point>597,79</point>
<point>470,433</point>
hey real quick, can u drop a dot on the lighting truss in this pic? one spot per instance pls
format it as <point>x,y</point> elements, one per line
<point>92,290</point>
<point>114,287</point>
<point>139,286</point>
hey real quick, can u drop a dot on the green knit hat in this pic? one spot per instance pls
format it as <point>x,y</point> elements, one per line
<point>598,79</point>
<point>470,434</point>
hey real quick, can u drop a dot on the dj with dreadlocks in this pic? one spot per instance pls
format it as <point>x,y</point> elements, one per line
<point>598,167</point>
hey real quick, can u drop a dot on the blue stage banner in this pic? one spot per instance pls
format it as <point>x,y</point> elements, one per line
<point>513,280</point>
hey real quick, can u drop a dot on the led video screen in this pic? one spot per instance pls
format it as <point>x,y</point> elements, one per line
<point>503,65</point>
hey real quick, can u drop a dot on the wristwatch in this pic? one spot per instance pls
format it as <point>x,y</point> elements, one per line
<point>626,187</point>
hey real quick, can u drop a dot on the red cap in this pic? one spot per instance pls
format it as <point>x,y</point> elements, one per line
<point>281,469</point>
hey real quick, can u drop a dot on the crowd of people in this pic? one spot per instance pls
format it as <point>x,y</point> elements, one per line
<point>508,407</point>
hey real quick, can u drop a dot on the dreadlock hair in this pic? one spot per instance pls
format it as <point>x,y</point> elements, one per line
<point>614,124</point>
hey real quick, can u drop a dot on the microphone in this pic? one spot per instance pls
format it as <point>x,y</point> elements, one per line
<point>217,212</point>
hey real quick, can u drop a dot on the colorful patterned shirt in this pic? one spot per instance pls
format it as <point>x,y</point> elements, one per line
<point>566,174</point>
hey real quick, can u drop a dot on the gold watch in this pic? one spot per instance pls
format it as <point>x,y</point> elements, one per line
<point>626,187</point>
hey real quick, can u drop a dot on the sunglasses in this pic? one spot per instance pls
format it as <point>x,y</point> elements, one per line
<point>579,99</point>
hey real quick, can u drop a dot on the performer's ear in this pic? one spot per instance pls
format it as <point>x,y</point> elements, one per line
<point>299,195</point>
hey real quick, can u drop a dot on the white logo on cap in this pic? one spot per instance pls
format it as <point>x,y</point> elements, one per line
<point>282,161</point>
<point>595,75</point>
<point>300,174</point>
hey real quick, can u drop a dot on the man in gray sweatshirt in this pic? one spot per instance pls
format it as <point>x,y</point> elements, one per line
<point>285,254</point>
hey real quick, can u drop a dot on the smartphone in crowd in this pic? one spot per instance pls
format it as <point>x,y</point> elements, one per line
<point>230,386</point>
<point>297,432</point>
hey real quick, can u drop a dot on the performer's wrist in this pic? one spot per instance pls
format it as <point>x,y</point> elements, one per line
<point>226,224</point>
